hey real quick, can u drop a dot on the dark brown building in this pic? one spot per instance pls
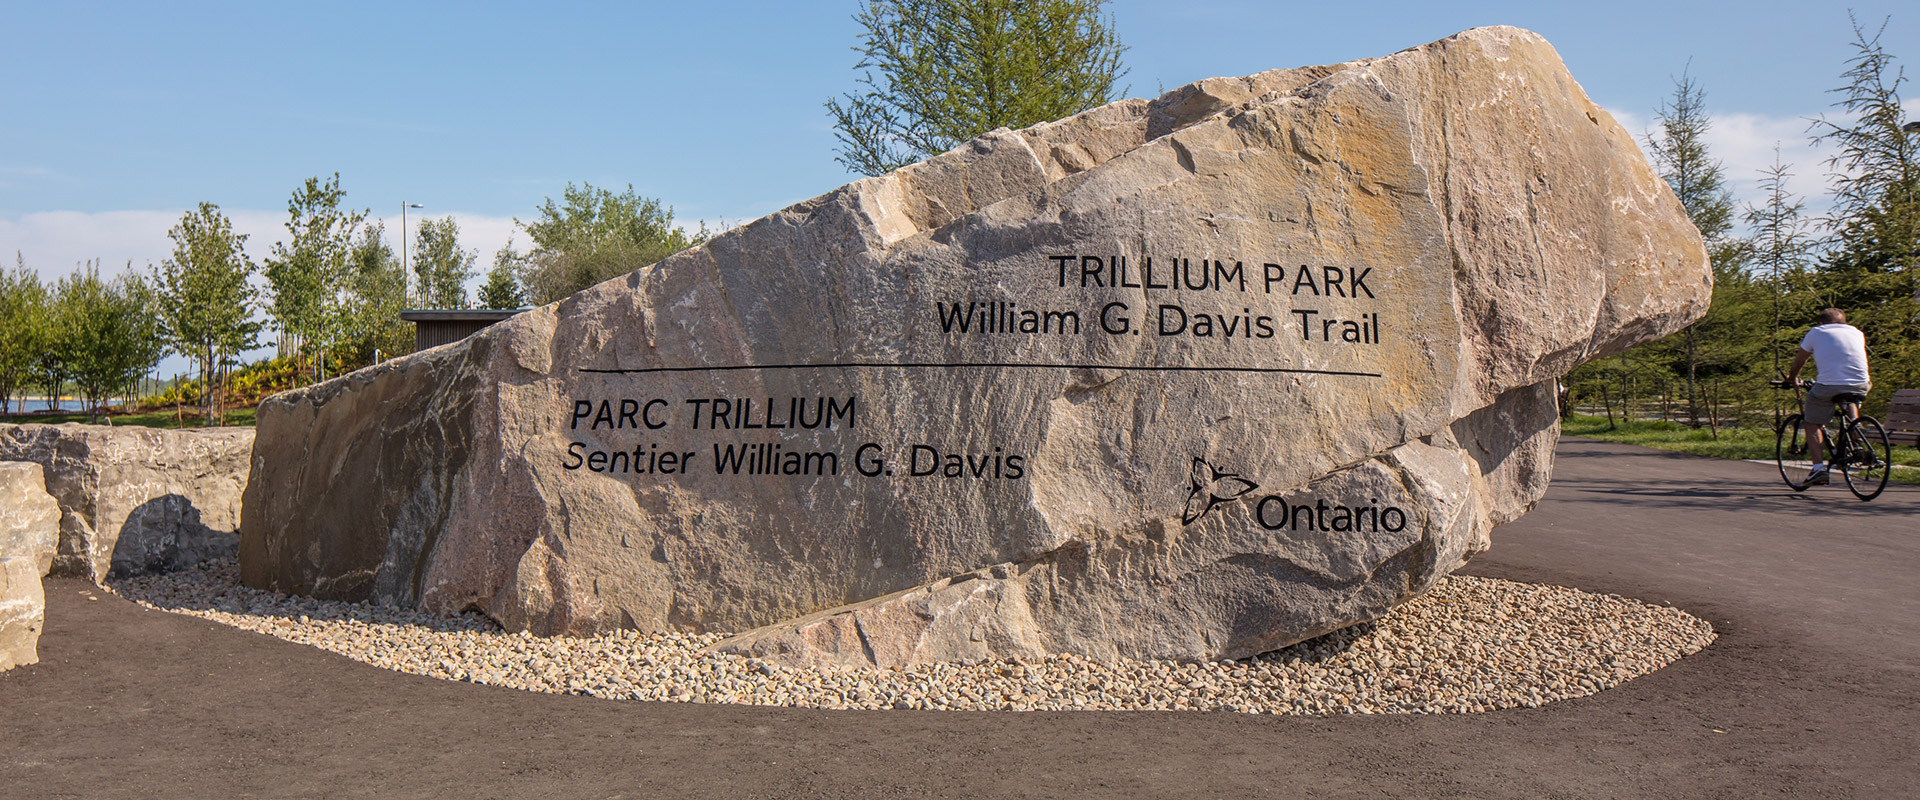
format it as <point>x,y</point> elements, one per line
<point>433,327</point>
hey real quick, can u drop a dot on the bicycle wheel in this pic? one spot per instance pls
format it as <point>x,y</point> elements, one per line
<point>1790,452</point>
<point>1869,458</point>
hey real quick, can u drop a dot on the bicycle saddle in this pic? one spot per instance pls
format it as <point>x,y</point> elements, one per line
<point>1849,397</point>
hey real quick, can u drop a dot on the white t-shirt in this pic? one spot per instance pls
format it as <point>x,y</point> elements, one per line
<point>1839,354</point>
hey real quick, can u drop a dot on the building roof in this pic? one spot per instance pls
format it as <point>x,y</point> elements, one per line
<point>458,314</point>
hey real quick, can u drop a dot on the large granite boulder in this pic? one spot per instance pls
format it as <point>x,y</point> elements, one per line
<point>1195,377</point>
<point>29,528</point>
<point>135,499</point>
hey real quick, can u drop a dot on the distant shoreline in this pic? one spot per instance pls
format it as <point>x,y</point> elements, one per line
<point>65,404</point>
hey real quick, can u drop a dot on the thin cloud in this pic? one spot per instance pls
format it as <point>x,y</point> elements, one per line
<point>56,243</point>
<point>480,234</point>
<point>1744,143</point>
<point>1747,145</point>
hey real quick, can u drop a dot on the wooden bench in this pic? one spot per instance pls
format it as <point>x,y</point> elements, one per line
<point>1903,418</point>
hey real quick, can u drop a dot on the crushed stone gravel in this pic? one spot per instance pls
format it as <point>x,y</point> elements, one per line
<point>1469,645</point>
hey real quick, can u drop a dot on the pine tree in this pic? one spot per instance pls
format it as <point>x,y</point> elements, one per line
<point>1780,249</point>
<point>1872,266</point>
<point>1680,151</point>
<point>1876,171</point>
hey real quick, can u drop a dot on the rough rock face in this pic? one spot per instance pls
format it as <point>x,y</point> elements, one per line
<point>1190,378</point>
<point>29,527</point>
<point>136,499</point>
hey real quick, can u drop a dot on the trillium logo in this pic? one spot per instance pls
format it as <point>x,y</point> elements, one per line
<point>1209,487</point>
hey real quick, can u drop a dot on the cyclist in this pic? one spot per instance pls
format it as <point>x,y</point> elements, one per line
<point>1839,352</point>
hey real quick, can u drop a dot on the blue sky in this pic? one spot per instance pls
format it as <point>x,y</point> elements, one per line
<point>115,117</point>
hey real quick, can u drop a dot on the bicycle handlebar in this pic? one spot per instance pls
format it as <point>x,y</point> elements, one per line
<point>1784,384</point>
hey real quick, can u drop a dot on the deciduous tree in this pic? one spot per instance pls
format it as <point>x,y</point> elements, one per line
<point>205,304</point>
<point>108,332</point>
<point>307,274</point>
<point>503,289</point>
<point>936,73</point>
<point>23,312</point>
<point>594,235</point>
<point>376,294</point>
<point>441,268</point>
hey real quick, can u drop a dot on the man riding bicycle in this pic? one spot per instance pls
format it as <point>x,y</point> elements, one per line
<point>1839,352</point>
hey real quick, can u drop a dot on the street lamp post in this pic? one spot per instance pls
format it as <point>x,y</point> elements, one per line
<point>404,205</point>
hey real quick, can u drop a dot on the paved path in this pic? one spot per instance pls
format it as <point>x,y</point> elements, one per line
<point>1812,690</point>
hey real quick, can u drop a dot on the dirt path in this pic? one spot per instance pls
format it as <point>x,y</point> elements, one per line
<point>1813,689</point>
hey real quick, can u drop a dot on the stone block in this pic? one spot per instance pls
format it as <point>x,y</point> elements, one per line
<point>29,529</point>
<point>1191,378</point>
<point>135,499</point>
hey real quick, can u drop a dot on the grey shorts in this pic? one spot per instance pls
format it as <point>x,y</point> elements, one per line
<point>1818,407</point>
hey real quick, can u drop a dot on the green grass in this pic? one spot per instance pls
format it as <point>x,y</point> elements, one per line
<point>157,419</point>
<point>1740,443</point>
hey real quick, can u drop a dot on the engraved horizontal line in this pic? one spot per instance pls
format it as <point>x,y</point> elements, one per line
<point>976,364</point>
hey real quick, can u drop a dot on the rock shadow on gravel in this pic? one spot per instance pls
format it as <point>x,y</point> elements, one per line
<point>215,586</point>
<point>1322,648</point>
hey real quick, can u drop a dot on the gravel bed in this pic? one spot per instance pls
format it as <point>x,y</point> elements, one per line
<point>1471,644</point>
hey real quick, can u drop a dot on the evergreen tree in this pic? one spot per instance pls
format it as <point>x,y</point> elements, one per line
<point>940,72</point>
<point>1872,266</point>
<point>1780,248</point>
<point>1680,152</point>
<point>1876,171</point>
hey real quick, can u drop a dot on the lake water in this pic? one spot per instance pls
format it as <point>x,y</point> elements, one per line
<point>33,404</point>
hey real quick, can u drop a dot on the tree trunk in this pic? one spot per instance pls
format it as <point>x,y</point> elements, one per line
<point>206,381</point>
<point>1713,412</point>
<point>1693,389</point>
<point>1626,396</point>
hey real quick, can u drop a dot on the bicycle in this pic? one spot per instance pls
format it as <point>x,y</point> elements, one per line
<point>1856,444</point>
